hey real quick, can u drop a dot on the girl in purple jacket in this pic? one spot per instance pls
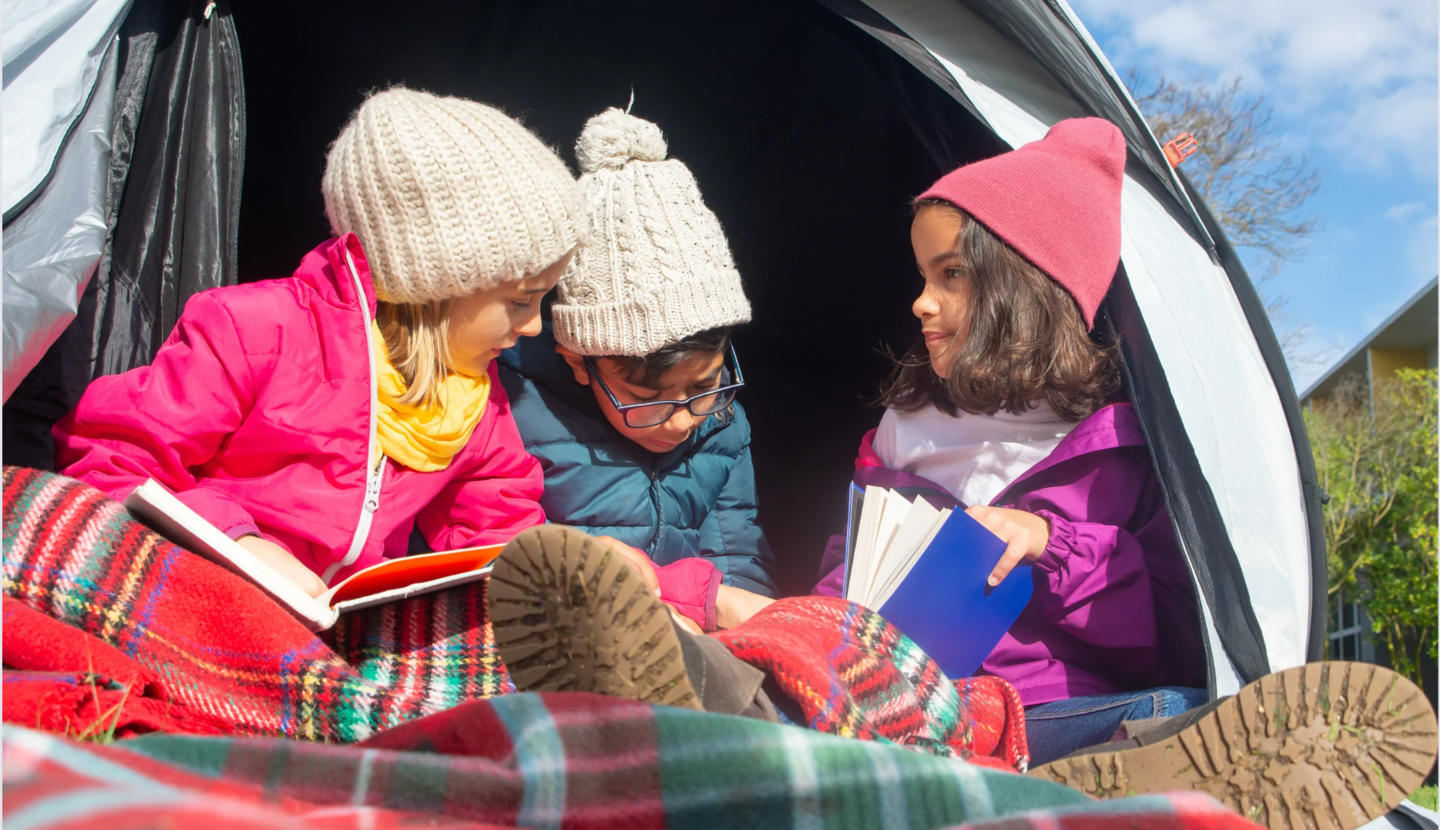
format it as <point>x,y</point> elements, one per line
<point>1012,409</point>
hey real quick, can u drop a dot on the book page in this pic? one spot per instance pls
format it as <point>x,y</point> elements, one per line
<point>157,507</point>
<point>860,567</point>
<point>911,541</point>
<point>893,511</point>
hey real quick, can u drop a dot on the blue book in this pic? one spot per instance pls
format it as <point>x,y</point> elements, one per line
<point>924,570</point>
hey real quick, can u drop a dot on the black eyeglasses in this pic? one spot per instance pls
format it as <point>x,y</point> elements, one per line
<point>655,413</point>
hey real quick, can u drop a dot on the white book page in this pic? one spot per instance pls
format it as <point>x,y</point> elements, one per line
<point>155,505</point>
<point>860,557</point>
<point>893,511</point>
<point>915,536</point>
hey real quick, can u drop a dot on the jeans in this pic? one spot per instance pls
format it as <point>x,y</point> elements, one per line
<point>1060,727</point>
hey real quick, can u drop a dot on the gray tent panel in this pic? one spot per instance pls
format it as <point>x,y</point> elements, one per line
<point>166,213</point>
<point>54,52</point>
<point>53,246</point>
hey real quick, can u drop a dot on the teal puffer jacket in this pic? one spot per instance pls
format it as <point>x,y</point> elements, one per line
<point>696,500</point>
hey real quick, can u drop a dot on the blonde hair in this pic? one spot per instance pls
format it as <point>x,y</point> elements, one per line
<point>417,337</point>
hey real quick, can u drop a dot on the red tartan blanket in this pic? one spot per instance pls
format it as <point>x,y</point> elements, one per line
<point>88,584</point>
<point>856,675</point>
<point>112,625</point>
<point>113,694</point>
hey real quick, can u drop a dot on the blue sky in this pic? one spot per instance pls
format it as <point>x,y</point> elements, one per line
<point>1353,88</point>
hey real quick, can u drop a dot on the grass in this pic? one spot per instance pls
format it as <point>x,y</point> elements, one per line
<point>1425,796</point>
<point>100,731</point>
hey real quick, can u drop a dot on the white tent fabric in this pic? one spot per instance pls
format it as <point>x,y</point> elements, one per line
<point>1184,298</point>
<point>53,53</point>
<point>60,65</point>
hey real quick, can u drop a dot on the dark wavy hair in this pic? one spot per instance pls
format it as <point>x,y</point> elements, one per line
<point>646,370</point>
<point>1025,341</point>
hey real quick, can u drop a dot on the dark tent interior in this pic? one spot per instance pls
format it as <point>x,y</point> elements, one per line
<point>807,137</point>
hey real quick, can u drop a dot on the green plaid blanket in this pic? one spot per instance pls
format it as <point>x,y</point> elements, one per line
<point>548,761</point>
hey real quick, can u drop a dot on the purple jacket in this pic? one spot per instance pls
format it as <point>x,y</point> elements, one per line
<point>1114,607</point>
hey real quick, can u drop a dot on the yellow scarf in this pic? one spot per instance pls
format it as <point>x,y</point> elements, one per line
<point>425,437</point>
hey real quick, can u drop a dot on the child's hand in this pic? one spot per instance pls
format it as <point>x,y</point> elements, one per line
<point>283,561</point>
<point>684,621</point>
<point>736,605</point>
<point>1025,536</point>
<point>637,559</point>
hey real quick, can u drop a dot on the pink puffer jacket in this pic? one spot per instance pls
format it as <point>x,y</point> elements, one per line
<point>258,412</point>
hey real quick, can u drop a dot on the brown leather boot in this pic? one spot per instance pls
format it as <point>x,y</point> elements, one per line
<point>571,616</point>
<point>1326,745</point>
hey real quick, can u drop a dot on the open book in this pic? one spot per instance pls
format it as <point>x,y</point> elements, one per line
<point>385,582</point>
<point>924,570</point>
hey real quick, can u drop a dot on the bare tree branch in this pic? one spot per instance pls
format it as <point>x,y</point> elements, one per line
<point>1255,187</point>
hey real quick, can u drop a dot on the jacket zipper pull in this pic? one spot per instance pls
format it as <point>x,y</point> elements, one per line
<point>372,486</point>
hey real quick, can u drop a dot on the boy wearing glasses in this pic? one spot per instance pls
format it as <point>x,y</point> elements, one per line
<point>628,396</point>
<point>629,403</point>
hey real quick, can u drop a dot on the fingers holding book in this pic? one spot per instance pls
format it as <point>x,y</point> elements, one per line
<point>1025,536</point>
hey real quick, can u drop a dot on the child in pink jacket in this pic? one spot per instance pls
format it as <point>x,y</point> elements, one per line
<point>321,418</point>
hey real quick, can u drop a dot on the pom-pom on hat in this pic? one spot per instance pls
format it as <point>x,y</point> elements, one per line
<point>1056,201</point>
<point>656,268</point>
<point>448,196</point>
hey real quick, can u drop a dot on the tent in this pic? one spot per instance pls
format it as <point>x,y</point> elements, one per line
<point>123,142</point>
<point>808,125</point>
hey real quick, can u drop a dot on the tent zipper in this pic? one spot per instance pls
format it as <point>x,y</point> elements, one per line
<point>374,460</point>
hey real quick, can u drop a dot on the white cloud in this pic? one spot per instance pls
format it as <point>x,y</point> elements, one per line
<point>1364,74</point>
<point>1396,127</point>
<point>1403,211</point>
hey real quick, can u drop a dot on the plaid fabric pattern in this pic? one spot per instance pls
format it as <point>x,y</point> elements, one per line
<point>543,761</point>
<point>1169,811</point>
<point>181,644</point>
<point>214,647</point>
<point>856,675</point>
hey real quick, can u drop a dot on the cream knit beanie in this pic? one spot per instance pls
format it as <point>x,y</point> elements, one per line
<point>448,196</point>
<point>656,268</point>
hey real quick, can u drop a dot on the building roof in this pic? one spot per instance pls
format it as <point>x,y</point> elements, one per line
<point>1412,326</point>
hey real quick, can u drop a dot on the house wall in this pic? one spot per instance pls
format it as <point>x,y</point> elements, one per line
<point>1386,362</point>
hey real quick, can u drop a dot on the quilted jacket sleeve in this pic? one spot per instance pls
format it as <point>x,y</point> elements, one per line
<point>1114,578</point>
<point>691,585</point>
<point>170,417</point>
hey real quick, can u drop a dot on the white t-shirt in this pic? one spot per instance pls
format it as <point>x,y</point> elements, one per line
<point>974,457</point>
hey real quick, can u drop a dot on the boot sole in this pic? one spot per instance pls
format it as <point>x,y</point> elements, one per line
<point>569,615</point>
<point>1326,745</point>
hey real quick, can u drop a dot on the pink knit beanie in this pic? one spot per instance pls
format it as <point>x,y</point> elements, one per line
<point>1056,201</point>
